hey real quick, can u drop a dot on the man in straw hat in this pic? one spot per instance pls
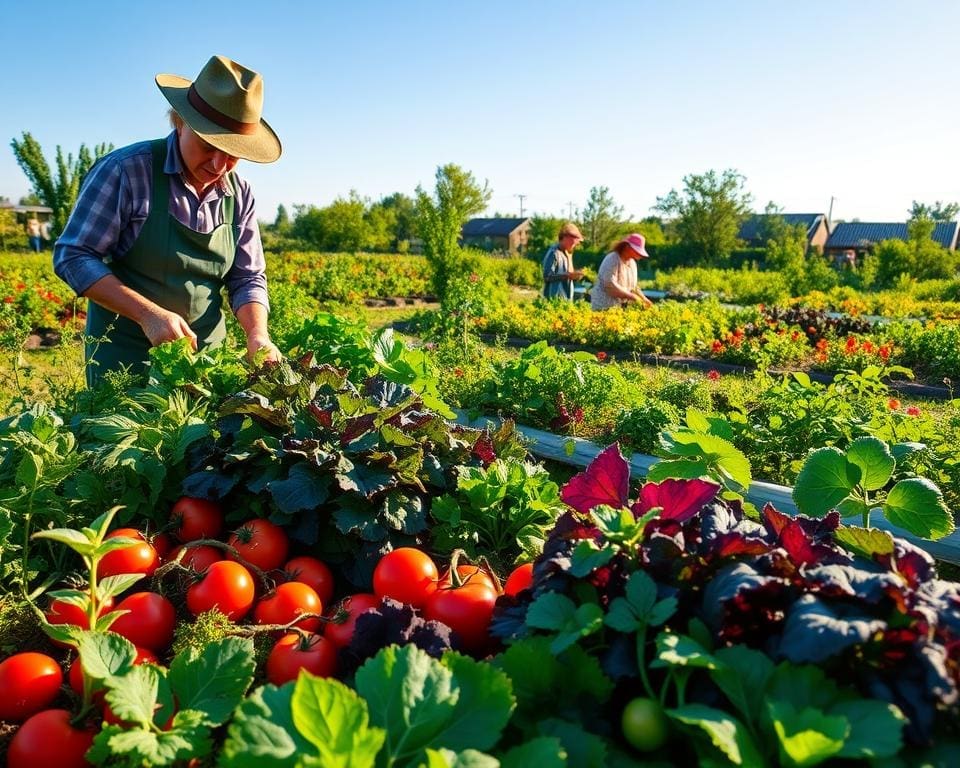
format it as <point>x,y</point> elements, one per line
<point>161,226</point>
<point>617,275</point>
<point>558,272</point>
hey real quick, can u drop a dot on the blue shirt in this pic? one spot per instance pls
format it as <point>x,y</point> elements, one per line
<point>557,262</point>
<point>114,203</point>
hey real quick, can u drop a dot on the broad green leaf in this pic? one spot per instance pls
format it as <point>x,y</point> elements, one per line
<point>469,758</point>
<point>675,650</point>
<point>636,609</point>
<point>133,697</point>
<point>584,749</point>
<point>854,509</point>
<point>876,728</point>
<point>587,557</point>
<point>742,675</point>
<point>187,738</point>
<point>542,752</point>
<point>681,469</point>
<point>874,459</point>
<point>551,611</point>
<point>304,488</point>
<point>112,586</point>
<point>334,719</point>
<point>808,736</point>
<point>825,480</point>
<point>262,733</point>
<point>105,654</point>
<point>484,703</point>
<point>73,539</point>
<point>864,541</point>
<point>29,470</point>
<point>697,420</point>
<point>213,681</point>
<point>916,505</point>
<point>725,732</point>
<point>715,452</point>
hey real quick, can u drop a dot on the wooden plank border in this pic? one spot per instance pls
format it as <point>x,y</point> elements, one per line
<point>546,445</point>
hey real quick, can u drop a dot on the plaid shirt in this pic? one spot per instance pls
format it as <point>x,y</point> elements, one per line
<point>114,203</point>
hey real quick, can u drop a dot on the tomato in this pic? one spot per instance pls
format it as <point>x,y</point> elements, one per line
<point>260,543</point>
<point>29,682</point>
<point>198,558</point>
<point>312,572</point>
<point>468,574</point>
<point>287,602</point>
<point>150,621</point>
<point>406,574</point>
<point>137,558</point>
<point>196,519</point>
<point>340,634</point>
<point>467,610</point>
<point>60,612</point>
<point>520,578</point>
<point>162,543</point>
<point>644,724</point>
<point>47,740</point>
<point>227,586</point>
<point>291,653</point>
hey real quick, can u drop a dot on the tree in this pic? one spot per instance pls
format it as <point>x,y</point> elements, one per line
<point>404,209</point>
<point>601,219</point>
<point>543,233</point>
<point>58,193</point>
<point>282,223</point>
<point>457,196</point>
<point>939,211</point>
<point>708,213</point>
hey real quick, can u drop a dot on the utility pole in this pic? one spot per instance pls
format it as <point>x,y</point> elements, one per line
<point>521,203</point>
<point>570,210</point>
<point>830,214</point>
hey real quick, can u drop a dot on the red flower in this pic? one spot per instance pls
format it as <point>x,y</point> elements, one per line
<point>601,356</point>
<point>458,372</point>
<point>884,352</point>
<point>851,345</point>
<point>716,347</point>
<point>913,411</point>
<point>713,375</point>
<point>893,404</point>
<point>474,277</point>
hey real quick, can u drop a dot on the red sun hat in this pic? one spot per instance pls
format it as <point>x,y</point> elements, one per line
<point>637,243</point>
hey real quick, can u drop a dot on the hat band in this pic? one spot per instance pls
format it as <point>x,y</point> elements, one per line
<point>215,115</point>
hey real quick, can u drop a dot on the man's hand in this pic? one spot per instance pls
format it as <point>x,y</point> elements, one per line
<point>256,343</point>
<point>160,325</point>
<point>576,274</point>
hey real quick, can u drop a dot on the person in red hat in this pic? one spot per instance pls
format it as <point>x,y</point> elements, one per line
<point>617,275</point>
<point>160,227</point>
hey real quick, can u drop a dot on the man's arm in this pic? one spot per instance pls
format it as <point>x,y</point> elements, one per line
<point>158,324</point>
<point>252,317</point>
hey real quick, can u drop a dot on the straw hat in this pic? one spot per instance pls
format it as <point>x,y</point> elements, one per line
<point>223,107</point>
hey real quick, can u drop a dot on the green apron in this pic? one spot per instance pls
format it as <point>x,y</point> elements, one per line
<point>173,266</point>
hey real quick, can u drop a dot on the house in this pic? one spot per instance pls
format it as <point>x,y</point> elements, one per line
<point>753,231</point>
<point>861,236</point>
<point>500,234</point>
<point>23,212</point>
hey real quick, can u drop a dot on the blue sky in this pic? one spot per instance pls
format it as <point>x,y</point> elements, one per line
<point>808,100</point>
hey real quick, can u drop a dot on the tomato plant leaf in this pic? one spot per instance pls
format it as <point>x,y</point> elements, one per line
<point>825,480</point>
<point>469,758</point>
<point>587,557</point>
<point>675,650</point>
<point>677,468</point>
<point>141,748</point>
<point>105,654</point>
<point>876,728</point>
<point>725,732</point>
<point>543,752</point>
<point>262,733</point>
<point>584,749</point>
<point>867,542</point>
<point>742,675</point>
<point>334,719</point>
<point>874,459</point>
<point>214,680</point>
<point>133,697</point>
<point>917,505</point>
<point>484,703</point>
<point>807,736</point>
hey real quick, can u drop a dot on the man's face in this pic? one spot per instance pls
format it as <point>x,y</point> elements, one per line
<point>569,242</point>
<point>203,163</point>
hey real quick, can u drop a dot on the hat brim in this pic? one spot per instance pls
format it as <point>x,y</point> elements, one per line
<point>262,146</point>
<point>641,252</point>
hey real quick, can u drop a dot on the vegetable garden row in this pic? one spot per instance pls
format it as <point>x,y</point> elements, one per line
<point>665,623</point>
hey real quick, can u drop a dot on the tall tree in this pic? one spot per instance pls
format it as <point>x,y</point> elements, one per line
<point>60,192</point>
<point>708,213</point>
<point>601,219</point>
<point>939,211</point>
<point>440,218</point>
<point>404,208</point>
<point>282,223</point>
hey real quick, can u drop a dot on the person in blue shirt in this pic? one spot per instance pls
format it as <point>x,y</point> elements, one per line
<point>558,272</point>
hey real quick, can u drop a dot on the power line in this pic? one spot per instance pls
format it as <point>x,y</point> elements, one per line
<point>570,210</point>
<point>522,197</point>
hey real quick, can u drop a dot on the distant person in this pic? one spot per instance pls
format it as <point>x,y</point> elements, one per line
<point>558,272</point>
<point>33,234</point>
<point>161,226</point>
<point>45,231</point>
<point>617,275</point>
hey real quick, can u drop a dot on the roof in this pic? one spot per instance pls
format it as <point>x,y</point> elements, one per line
<point>751,227</point>
<point>492,227</point>
<point>861,234</point>
<point>27,208</point>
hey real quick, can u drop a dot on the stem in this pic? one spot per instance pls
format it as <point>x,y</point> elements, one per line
<point>642,660</point>
<point>265,581</point>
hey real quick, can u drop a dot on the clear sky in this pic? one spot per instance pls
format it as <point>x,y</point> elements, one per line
<point>845,98</point>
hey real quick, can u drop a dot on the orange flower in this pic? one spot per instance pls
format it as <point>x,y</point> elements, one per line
<point>851,345</point>
<point>884,352</point>
<point>716,347</point>
<point>893,404</point>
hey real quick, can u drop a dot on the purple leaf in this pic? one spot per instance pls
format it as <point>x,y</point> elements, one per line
<point>679,499</point>
<point>605,481</point>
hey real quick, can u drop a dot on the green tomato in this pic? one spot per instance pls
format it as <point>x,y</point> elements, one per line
<point>644,724</point>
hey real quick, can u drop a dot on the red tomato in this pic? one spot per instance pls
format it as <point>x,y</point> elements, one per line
<point>467,610</point>
<point>291,653</point>
<point>137,558</point>
<point>287,602</point>
<point>520,578</point>
<point>47,740</point>
<point>60,612</point>
<point>312,572</point>
<point>340,634</point>
<point>29,682</point>
<point>406,574</point>
<point>199,558</point>
<point>227,586</point>
<point>162,543</point>
<point>468,574</point>
<point>261,543</point>
<point>196,519</point>
<point>150,620</point>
